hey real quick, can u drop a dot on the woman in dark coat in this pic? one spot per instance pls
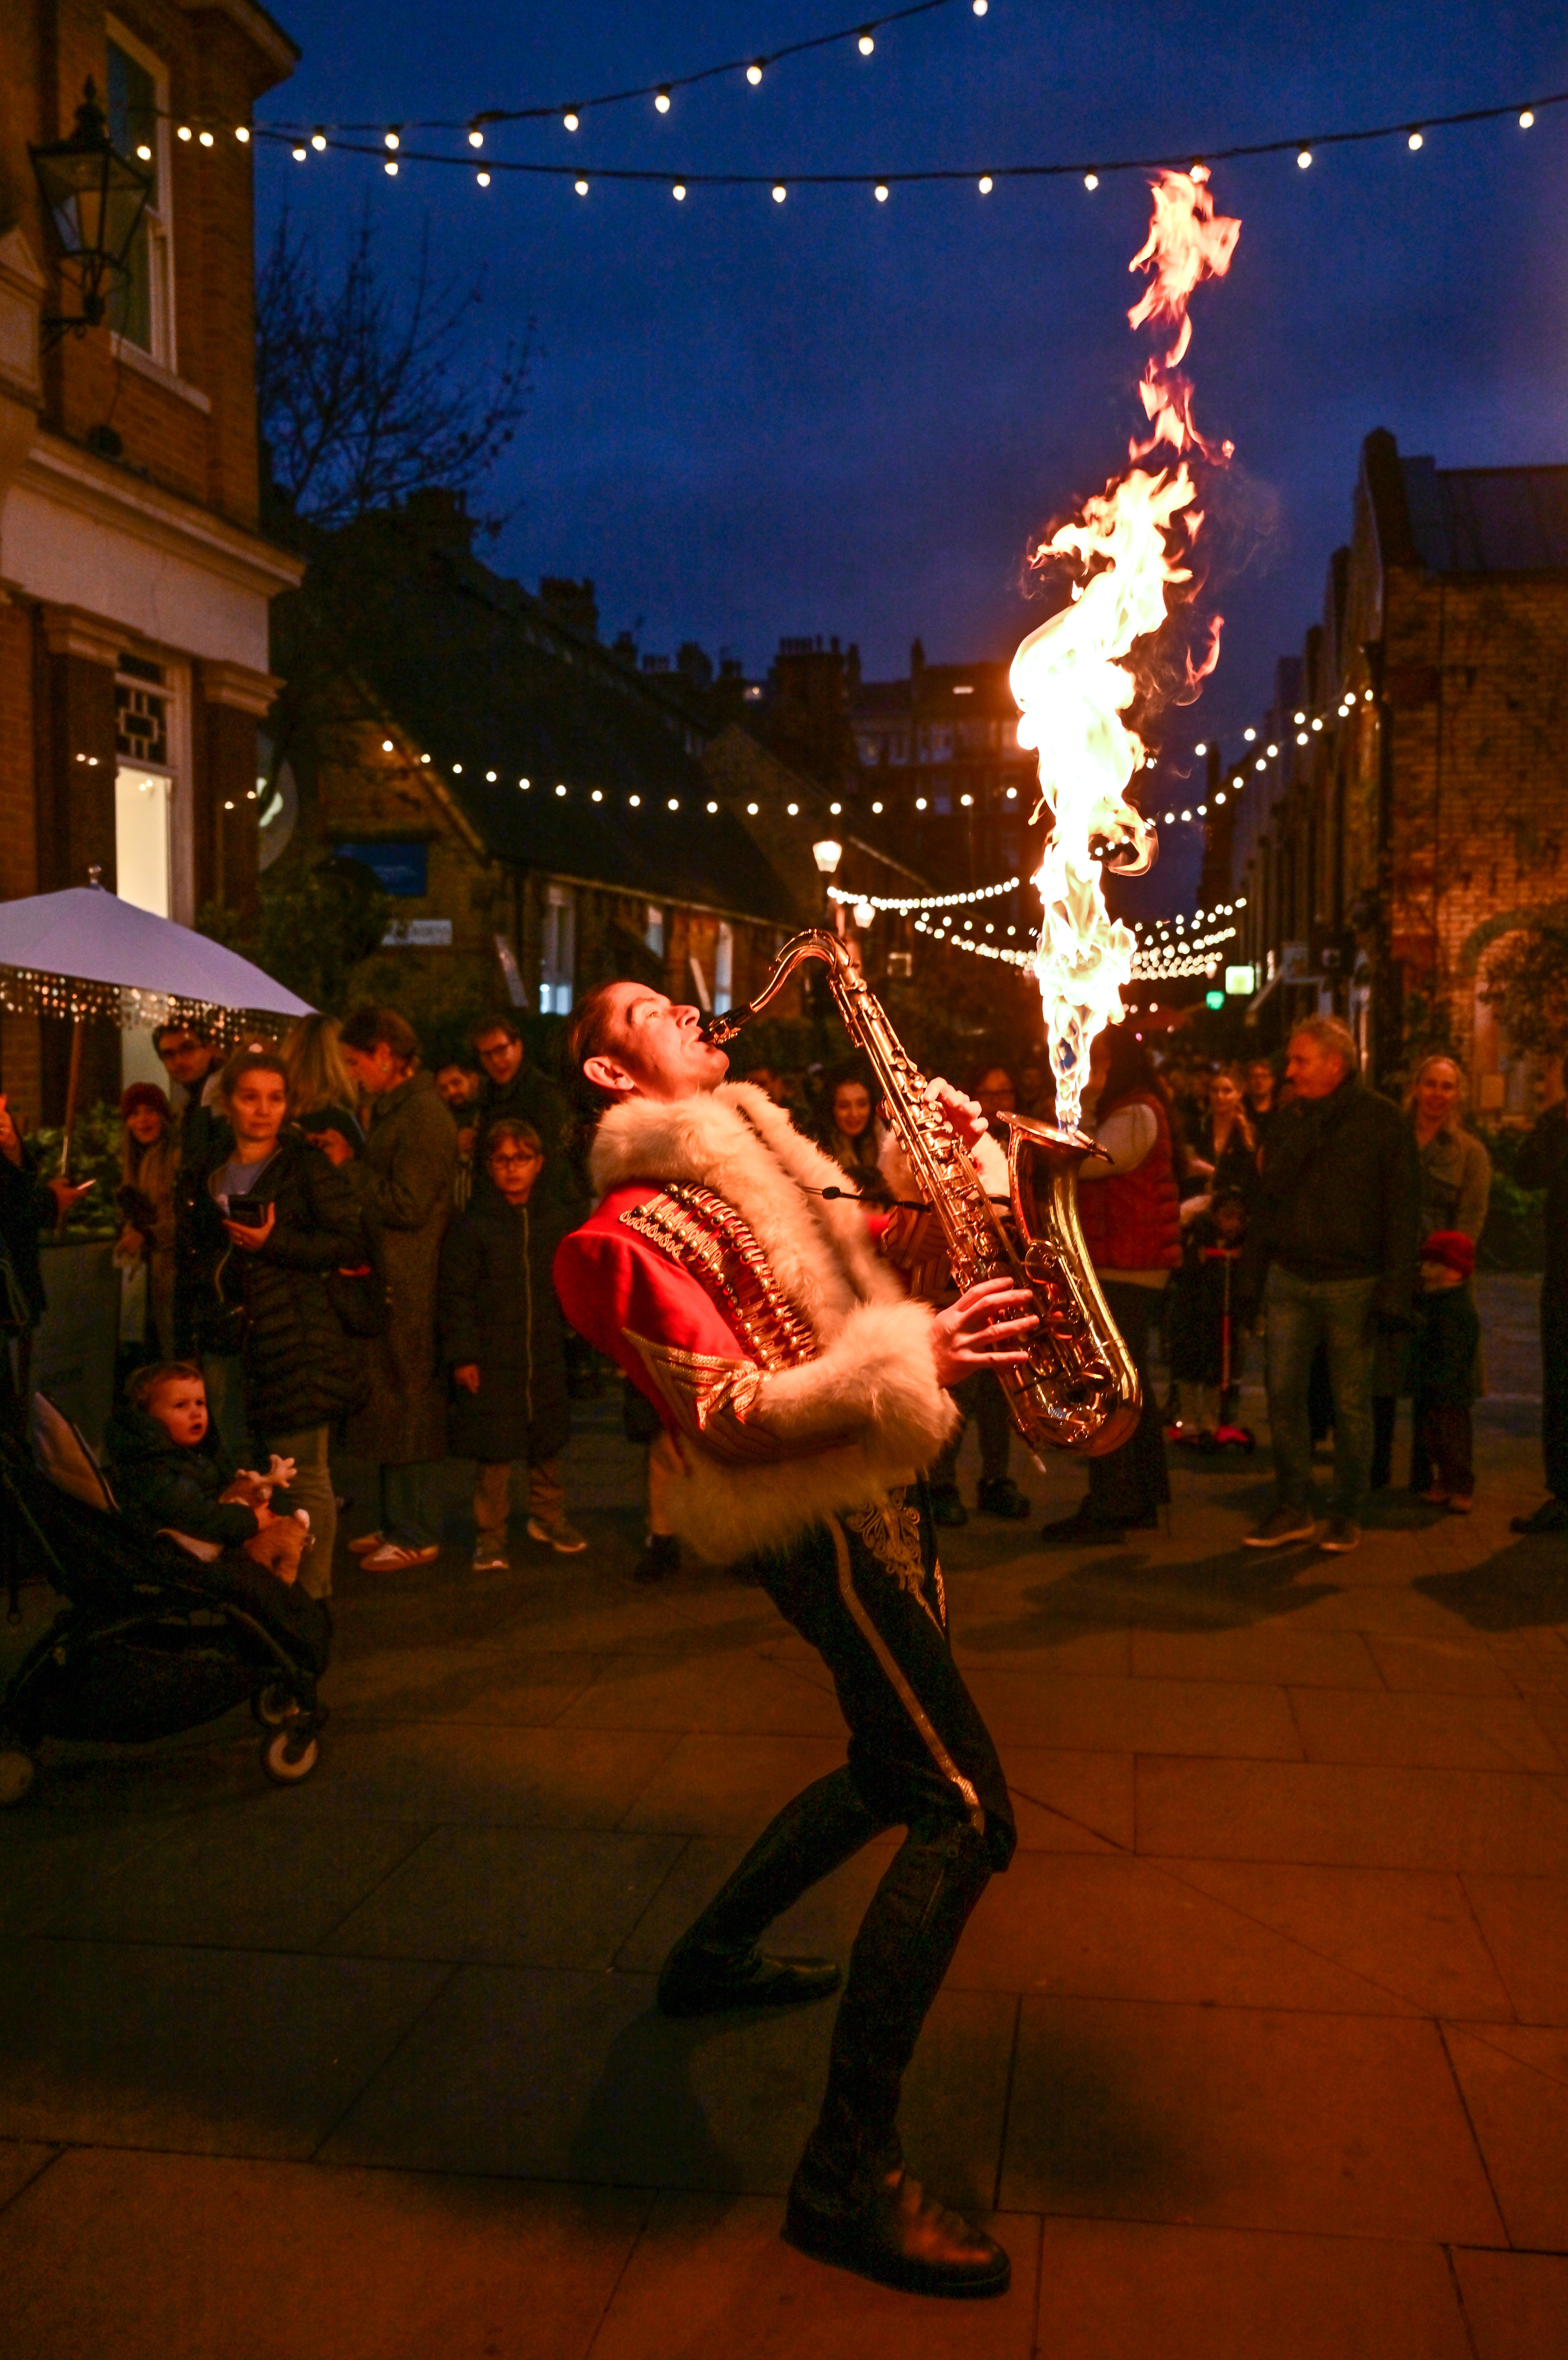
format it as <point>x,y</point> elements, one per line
<point>502,1341</point>
<point>254,1297</point>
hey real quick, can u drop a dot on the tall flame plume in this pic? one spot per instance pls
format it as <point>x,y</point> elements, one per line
<point>1075,677</point>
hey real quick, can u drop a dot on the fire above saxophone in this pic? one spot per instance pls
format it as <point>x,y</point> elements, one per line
<point>1075,678</point>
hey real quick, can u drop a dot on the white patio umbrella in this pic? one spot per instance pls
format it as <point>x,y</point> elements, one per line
<point>84,953</point>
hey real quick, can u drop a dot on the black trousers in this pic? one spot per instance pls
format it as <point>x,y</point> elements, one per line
<point>1554,1385</point>
<point>1130,1483</point>
<point>865,1590</point>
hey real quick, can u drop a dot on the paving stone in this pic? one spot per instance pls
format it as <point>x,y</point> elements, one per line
<point>1515,2080</point>
<point>265,1880</point>
<point>727,1785</point>
<point>146,2257</point>
<point>1278,1654</point>
<point>824,1922</point>
<point>463,1683</point>
<point>511,1896</point>
<point>1516,2304</point>
<point>49,1859</point>
<point>1334,2126</point>
<point>732,1693</point>
<point>1136,1715</point>
<point>1069,1800</point>
<point>499,1777</point>
<point>1525,1922</point>
<point>21,2160</point>
<point>712,2280</point>
<point>1458,1666</point>
<point>1138,2290</point>
<point>213,2051</point>
<point>1346,1815</point>
<point>1125,1929</point>
<point>1408,1932</point>
<point>1441,1733</point>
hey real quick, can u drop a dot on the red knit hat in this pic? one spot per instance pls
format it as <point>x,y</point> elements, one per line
<point>143,1094</point>
<point>1452,1247</point>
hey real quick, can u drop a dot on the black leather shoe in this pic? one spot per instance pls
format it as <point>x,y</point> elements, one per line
<point>947,1506</point>
<point>1551,1516</point>
<point>902,2238</point>
<point>702,1982</point>
<point>1000,1496</point>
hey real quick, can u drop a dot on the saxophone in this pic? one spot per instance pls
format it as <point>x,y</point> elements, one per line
<point>1078,1388</point>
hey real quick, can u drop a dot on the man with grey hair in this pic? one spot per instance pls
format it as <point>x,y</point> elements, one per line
<point>1330,1256</point>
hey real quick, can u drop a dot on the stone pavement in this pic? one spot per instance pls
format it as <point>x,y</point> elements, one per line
<point>1260,2047</point>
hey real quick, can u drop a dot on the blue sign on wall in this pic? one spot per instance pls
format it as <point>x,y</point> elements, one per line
<point>399,869</point>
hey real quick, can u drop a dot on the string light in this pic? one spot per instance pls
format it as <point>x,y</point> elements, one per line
<point>241,132</point>
<point>392,139</point>
<point>866,43</point>
<point>880,192</point>
<point>780,192</point>
<point>1415,141</point>
<point>662,100</point>
<point>984,184</point>
<point>1305,158</point>
<point>571,118</point>
<point>1092,179</point>
<point>679,193</point>
<point>318,141</point>
<point>475,136</point>
<point>390,168</point>
<point>581,187</point>
<point>755,72</point>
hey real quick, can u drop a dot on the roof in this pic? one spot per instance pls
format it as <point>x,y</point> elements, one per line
<point>482,677</point>
<point>1488,520</point>
<point>934,688</point>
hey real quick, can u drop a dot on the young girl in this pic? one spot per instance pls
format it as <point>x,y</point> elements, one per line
<point>149,1158</point>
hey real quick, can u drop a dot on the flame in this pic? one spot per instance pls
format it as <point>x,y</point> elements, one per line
<point>1073,678</point>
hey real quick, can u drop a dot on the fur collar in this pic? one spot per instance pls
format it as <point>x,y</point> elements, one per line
<point>735,1141</point>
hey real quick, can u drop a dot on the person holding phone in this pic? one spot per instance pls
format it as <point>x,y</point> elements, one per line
<point>260,1227</point>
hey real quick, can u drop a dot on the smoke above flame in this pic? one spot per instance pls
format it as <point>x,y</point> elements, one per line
<point>1075,678</point>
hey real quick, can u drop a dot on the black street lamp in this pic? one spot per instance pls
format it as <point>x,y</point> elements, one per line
<point>96,198</point>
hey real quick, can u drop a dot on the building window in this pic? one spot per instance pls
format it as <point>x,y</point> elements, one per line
<point>654,929</point>
<point>141,309</point>
<point>557,951</point>
<point>401,869</point>
<point>143,786</point>
<point>724,967</point>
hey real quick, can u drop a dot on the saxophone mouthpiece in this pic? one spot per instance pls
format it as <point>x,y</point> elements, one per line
<point>720,1030</point>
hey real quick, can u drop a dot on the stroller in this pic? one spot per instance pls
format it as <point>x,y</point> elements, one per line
<point>148,1643</point>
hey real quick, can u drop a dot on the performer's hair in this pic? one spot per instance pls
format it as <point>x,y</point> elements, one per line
<point>588,1034</point>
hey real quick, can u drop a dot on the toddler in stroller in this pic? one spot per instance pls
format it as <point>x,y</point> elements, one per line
<point>151,1641</point>
<point>171,1476</point>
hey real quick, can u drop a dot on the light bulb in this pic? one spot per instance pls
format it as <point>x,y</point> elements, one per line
<point>241,132</point>
<point>1170,819</point>
<point>1251,736</point>
<point>300,155</point>
<point>597,796</point>
<point>1272,752</point>
<point>490,777</point>
<point>1415,141</point>
<point>780,192</point>
<point>985,184</point>
<point>386,745</point>
<point>635,801</point>
<point>1526,119</point>
<point>457,769</point>
<point>751,810</point>
<point>866,44</point>
<point>662,100</point>
<point>390,168</point>
<point>318,141</point>
<point>475,136</point>
<point>560,789</point>
<point>882,192</point>
<point>755,72</point>
<point>794,810</point>
<point>1201,747</point>
<point>145,152</point>
<point>877,808</point>
<point>392,139</point>
<point>980,6</point>
<point>581,187</point>
<point>205,138</point>
<point>483,179</point>
<point>1304,158</point>
<point>679,193</point>
<point>525,784</point>
<point>571,119</point>
<point>183,132</point>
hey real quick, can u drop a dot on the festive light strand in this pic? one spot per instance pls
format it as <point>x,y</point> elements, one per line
<point>984,178</point>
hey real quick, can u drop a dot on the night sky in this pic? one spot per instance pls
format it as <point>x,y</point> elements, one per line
<point>833,416</point>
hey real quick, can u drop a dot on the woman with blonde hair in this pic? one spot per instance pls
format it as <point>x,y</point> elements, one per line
<point>144,1250</point>
<point>322,1096</point>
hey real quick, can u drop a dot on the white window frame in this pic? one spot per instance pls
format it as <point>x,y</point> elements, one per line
<point>159,220</point>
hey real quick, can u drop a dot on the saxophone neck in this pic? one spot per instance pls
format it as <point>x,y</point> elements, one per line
<point>814,943</point>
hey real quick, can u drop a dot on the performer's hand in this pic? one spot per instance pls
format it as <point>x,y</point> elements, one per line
<point>981,1329</point>
<point>963,1113</point>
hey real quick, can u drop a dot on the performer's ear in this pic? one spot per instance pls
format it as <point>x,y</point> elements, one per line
<point>606,1075</point>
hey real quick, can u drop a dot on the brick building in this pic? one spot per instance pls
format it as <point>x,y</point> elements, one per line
<point>134,582</point>
<point>1406,803</point>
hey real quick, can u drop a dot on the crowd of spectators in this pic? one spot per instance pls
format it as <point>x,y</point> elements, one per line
<point>346,1248</point>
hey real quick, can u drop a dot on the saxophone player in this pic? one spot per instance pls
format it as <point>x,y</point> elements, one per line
<point>801,1395</point>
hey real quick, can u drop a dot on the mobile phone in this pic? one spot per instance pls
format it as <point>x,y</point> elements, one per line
<point>248,1212</point>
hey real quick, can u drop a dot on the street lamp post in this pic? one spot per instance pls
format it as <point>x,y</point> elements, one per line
<point>96,198</point>
<point>827,854</point>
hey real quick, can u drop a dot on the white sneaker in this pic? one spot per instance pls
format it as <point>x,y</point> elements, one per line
<point>392,1557</point>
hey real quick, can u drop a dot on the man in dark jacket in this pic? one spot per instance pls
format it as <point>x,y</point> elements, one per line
<point>501,1343</point>
<point>1332,1252</point>
<point>1542,1163</point>
<point>514,1088</point>
<point>193,1061</point>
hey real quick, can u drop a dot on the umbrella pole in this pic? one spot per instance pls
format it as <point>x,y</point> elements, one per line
<point>73,1084</point>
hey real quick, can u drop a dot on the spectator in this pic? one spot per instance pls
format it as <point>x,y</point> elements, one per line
<point>261,1230</point>
<point>1130,1212</point>
<point>459,1085</point>
<point>1542,1163</point>
<point>512,1087</point>
<point>1205,1333</point>
<point>194,1063</point>
<point>24,1206</point>
<point>1446,1344</point>
<point>995,1093</point>
<point>149,1159</point>
<point>404,1180</point>
<point>502,1344</point>
<point>1226,1153</point>
<point>321,1087</point>
<point>1456,1185</point>
<point>1262,1096</point>
<point>847,1129</point>
<point>171,1477</point>
<point>1331,1251</point>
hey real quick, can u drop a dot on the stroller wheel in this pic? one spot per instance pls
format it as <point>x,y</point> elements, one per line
<point>16,1776</point>
<point>287,1757</point>
<point>274,1705</point>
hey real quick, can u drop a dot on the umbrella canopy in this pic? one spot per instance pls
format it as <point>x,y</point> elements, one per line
<point>86,953</point>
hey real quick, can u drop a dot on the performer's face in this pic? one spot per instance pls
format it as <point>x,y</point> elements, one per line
<point>655,1049</point>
